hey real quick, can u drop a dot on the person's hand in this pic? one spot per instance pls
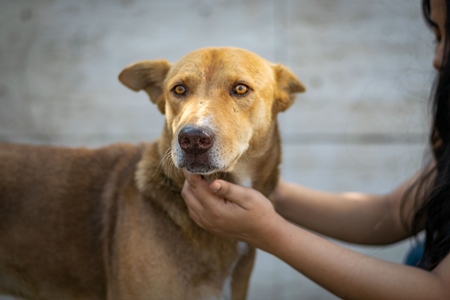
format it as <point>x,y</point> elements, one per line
<point>229,210</point>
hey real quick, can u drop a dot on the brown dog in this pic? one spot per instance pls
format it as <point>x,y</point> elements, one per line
<point>111,223</point>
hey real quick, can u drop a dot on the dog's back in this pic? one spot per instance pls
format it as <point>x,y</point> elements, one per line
<point>52,204</point>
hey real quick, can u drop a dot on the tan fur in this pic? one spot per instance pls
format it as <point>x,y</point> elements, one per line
<point>110,223</point>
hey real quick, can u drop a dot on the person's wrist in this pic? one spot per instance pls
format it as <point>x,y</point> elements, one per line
<point>278,195</point>
<point>265,237</point>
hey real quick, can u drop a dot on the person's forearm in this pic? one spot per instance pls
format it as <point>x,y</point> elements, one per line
<point>352,217</point>
<point>348,274</point>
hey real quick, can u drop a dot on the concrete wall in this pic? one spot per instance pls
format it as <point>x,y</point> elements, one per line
<point>361,125</point>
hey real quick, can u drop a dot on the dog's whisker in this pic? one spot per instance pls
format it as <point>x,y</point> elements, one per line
<point>215,176</point>
<point>165,162</point>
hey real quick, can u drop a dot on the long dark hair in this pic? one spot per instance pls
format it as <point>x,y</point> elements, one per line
<point>433,211</point>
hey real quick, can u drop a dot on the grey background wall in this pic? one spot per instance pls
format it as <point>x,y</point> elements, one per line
<point>361,125</point>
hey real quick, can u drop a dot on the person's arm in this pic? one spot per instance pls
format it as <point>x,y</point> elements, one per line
<point>349,274</point>
<point>352,217</point>
<point>244,214</point>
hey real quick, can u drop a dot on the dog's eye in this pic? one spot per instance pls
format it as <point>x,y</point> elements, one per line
<point>240,89</point>
<point>179,90</point>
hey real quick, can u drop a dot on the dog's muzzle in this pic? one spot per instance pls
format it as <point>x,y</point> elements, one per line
<point>196,144</point>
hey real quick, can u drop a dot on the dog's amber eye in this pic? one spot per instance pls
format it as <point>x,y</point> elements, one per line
<point>179,90</point>
<point>240,89</point>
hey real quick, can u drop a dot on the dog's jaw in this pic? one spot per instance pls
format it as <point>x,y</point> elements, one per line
<point>207,163</point>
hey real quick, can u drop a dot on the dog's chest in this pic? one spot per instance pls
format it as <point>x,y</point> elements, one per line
<point>224,290</point>
<point>242,249</point>
<point>201,264</point>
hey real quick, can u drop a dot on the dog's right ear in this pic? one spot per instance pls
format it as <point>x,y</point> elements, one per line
<point>148,75</point>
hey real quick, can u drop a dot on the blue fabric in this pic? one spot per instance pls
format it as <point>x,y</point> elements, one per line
<point>414,254</point>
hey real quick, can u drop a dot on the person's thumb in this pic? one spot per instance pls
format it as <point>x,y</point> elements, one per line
<point>229,191</point>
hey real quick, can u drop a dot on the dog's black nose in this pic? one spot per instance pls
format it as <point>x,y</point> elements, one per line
<point>195,140</point>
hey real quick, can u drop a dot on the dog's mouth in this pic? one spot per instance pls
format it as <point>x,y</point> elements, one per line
<point>198,164</point>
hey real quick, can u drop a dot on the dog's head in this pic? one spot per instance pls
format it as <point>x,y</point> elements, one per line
<point>220,104</point>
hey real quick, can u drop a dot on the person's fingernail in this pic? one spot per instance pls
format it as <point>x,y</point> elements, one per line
<point>188,179</point>
<point>191,185</point>
<point>215,186</point>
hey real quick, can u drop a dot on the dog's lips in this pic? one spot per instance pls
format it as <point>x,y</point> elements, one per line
<point>205,163</point>
<point>198,164</point>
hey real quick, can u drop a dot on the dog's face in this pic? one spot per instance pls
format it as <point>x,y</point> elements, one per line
<point>220,104</point>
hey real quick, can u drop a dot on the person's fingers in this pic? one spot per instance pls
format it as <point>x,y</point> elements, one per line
<point>201,191</point>
<point>193,179</point>
<point>196,217</point>
<point>195,207</point>
<point>199,187</point>
<point>232,192</point>
<point>191,201</point>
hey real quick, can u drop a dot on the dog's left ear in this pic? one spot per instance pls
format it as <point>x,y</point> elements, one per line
<point>148,75</point>
<point>287,86</point>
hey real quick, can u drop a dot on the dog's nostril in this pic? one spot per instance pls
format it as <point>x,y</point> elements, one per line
<point>195,140</point>
<point>205,142</point>
<point>185,141</point>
